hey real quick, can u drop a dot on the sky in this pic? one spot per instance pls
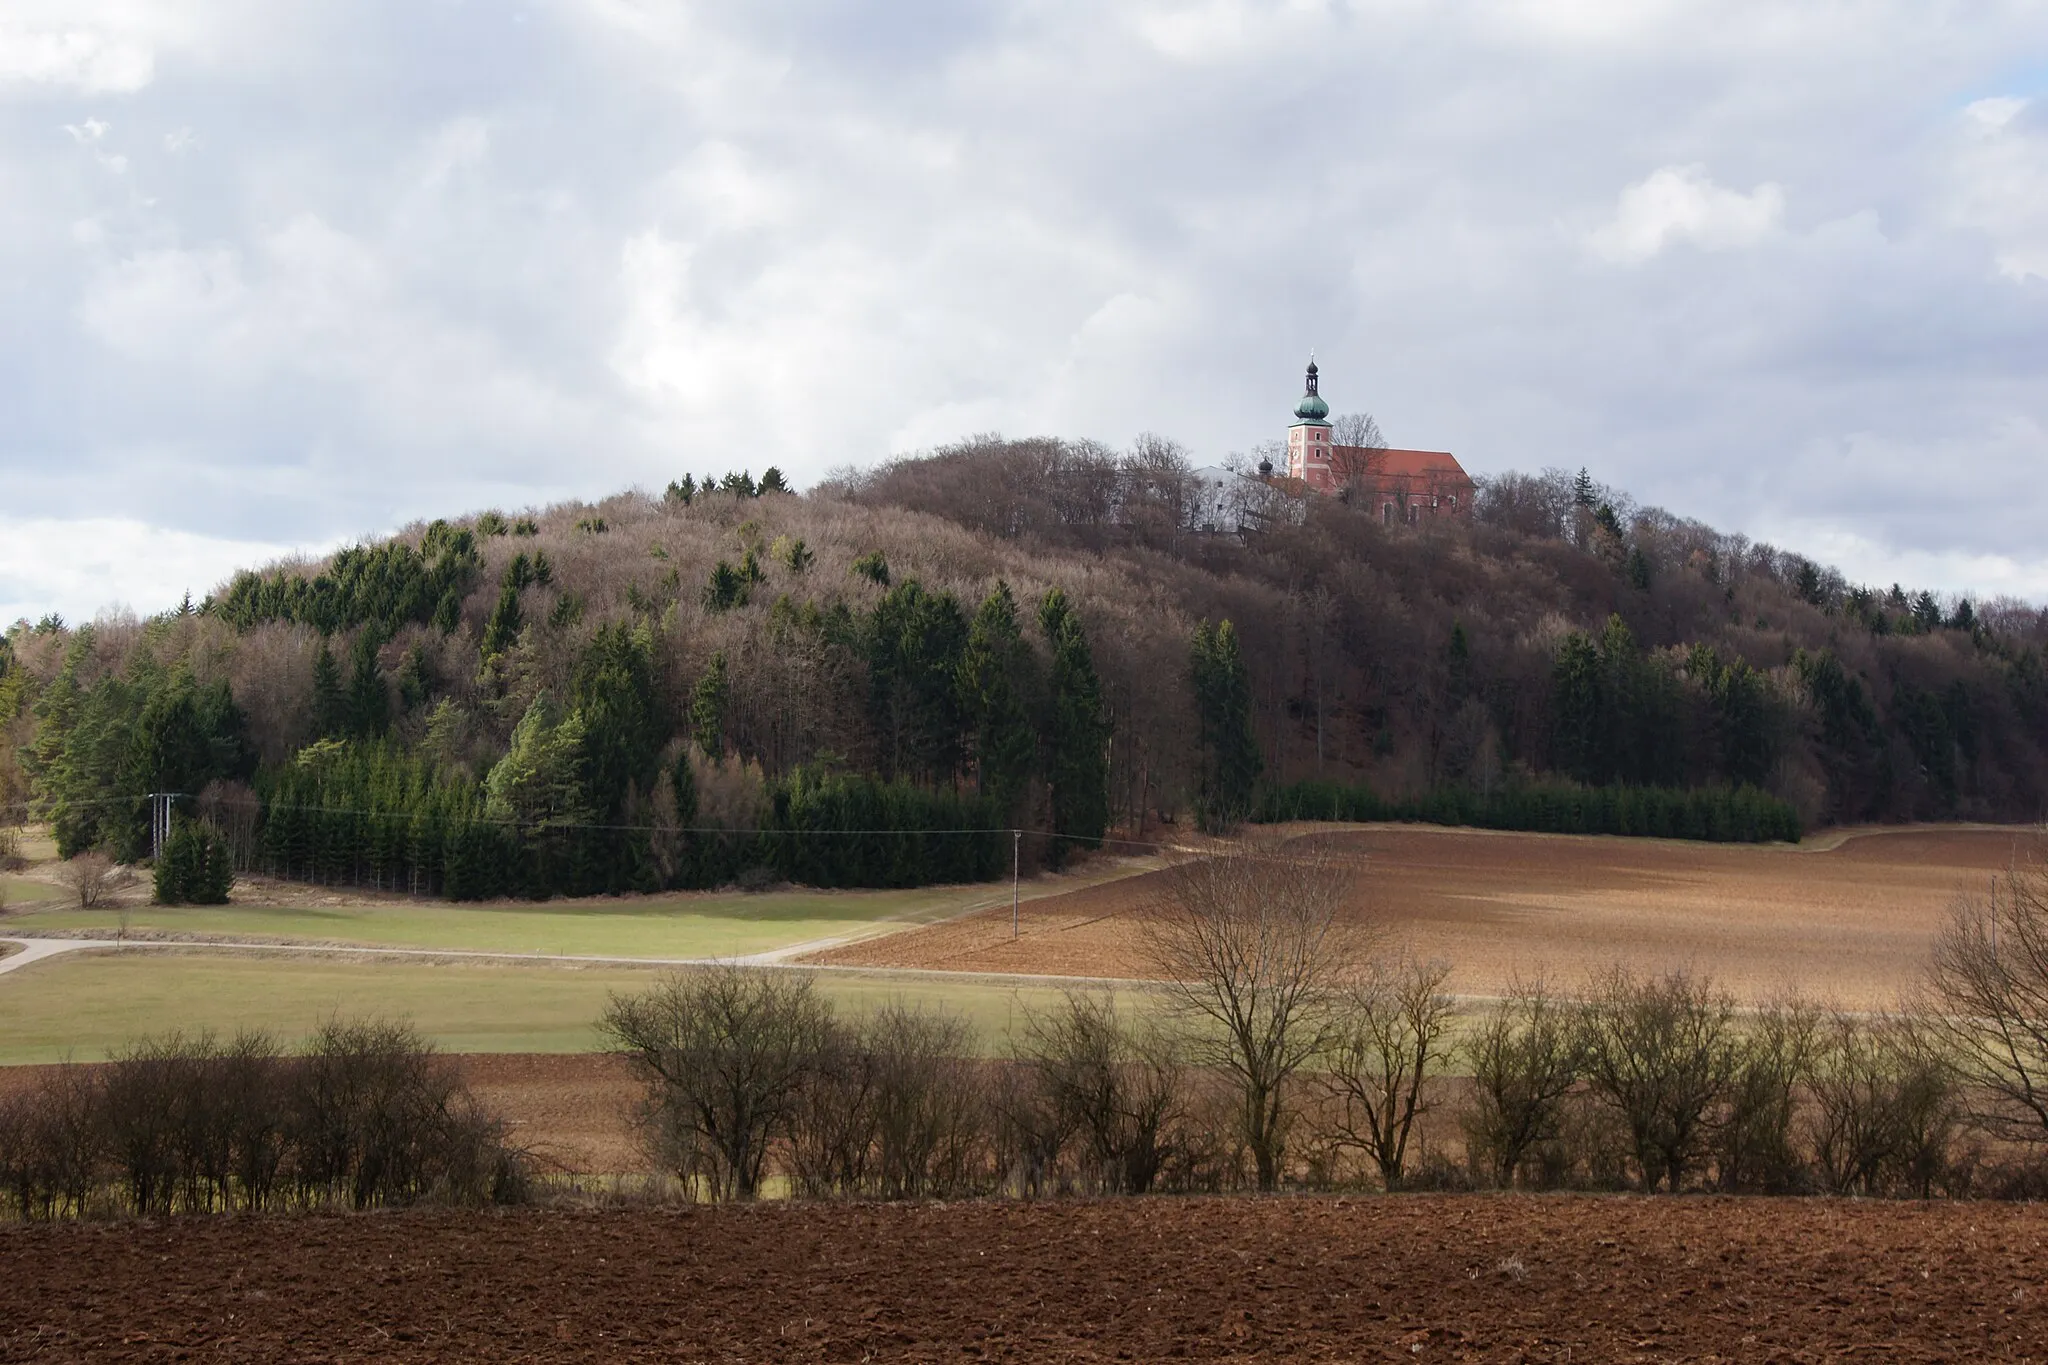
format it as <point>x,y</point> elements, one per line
<point>275,277</point>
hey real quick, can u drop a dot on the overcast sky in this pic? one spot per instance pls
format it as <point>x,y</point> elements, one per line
<point>274,275</point>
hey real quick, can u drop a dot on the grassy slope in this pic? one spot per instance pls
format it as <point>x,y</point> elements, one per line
<point>84,1007</point>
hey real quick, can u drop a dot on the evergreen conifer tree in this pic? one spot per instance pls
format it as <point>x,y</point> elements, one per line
<point>994,670</point>
<point>330,706</point>
<point>1231,762</point>
<point>369,705</point>
<point>707,710</point>
<point>501,631</point>
<point>1077,729</point>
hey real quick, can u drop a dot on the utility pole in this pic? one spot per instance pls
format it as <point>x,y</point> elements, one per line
<point>160,821</point>
<point>1016,860</point>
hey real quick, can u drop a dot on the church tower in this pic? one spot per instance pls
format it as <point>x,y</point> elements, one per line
<point>1308,440</point>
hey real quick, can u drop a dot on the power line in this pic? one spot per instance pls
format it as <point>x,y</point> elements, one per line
<point>509,822</point>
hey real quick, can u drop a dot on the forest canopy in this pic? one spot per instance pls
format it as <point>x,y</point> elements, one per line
<point>872,682</point>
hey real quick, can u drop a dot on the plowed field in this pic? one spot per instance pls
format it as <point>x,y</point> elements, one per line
<point>1493,1279</point>
<point>1851,922</point>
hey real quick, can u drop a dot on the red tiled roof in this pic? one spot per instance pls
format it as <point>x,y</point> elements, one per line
<point>1404,464</point>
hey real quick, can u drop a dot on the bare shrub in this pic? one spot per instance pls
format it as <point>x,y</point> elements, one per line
<point>1885,1107</point>
<point>723,1053</point>
<point>1254,948</point>
<point>1525,1056</point>
<point>831,1138</point>
<point>1758,1146</point>
<point>92,876</point>
<point>1988,1012</point>
<point>369,1116</point>
<point>373,1117</point>
<point>52,1145</point>
<point>1660,1051</point>
<point>1390,1038</point>
<point>929,1104</point>
<point>11,859</point>
<point>1117,1086</point>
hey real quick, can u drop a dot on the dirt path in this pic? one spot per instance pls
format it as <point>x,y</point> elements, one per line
<point>1415,1278</point>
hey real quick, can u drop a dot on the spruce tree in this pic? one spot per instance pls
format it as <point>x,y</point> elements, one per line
<point>707,709</point>
<point>994,671</point>
<point>369,705</point>
<point>1458,666</point>
<point>501,631</point>
<point>1231,762</point>
<point>330,706</point>
<point>1077,729</point>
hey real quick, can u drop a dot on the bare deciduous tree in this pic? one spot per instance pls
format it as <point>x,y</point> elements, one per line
<point>1525,1058</point>
<point>724,1052</point>
<point>1254,947</point>
<point>1391,1036</point>
<point>1661,1051</point>
<point>1989,1012</point>
<point>91,876</point>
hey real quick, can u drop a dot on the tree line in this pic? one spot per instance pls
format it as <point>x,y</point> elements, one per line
<point>362,1115</point>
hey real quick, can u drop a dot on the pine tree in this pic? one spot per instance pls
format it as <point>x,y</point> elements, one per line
<point>1638,569</point>
<point>1077,728</point>
<point>707,709</point>
<point>1584,491</point>
<point>1458,666</point>
<point>993,672</point>
<point>726,588</point>
<point>330,707</point>
<point>1231,762</point>
<point>369,705</point>
<point>501,631</point>
<point>915,643</point>
<point>614,693</point>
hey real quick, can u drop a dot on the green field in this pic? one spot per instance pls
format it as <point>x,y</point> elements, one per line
<point>84,1006</point>
<point>16,890</point>
<point>711,925</point>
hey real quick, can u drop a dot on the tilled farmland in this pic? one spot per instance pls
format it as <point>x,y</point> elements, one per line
<point>1850,922</point>
<point>1325,1279</point>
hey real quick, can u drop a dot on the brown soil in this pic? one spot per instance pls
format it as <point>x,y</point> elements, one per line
<point>572,1111</point>
<point>1851,922</point>
<point>1419,1278</point>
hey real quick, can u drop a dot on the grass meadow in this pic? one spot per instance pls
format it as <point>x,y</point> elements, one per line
<point>83,1006</point>
<point>714,925</point>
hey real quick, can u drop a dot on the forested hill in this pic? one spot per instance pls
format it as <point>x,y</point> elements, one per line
<point>1039,635</point>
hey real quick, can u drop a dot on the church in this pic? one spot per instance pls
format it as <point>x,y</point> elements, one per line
<point>1407,485</point>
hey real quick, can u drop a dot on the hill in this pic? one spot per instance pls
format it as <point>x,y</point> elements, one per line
<point>733,679</point>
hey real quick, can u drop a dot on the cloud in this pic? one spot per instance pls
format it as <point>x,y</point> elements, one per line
<point>83,567</point>
<point>84,60</point>
<point>1681,204</point>
<point>2001,181</point>
<point>375,261</point>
